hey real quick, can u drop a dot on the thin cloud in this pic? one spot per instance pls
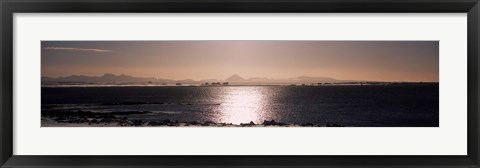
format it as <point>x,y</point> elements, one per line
<point>77,49</point>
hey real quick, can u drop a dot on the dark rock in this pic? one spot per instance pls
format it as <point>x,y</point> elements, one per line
<point>137,122</point>
<point>307,125</point>
<point>268,123</point>
<point>173,124</point>
<point>247,124</point>
<point>167,121</point>
<point>154,123</point>
<point>334,125</point>
<point>194,123</point>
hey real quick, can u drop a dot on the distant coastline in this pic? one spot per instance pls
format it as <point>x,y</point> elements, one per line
<point>107,80</point>
<point>258,85</point>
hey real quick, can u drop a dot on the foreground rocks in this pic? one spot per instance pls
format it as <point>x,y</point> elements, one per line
<point>59,118</point>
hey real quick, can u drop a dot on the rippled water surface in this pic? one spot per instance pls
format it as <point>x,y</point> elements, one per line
<point>409,105</point>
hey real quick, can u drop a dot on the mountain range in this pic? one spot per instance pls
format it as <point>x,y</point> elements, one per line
<point>127,79</point>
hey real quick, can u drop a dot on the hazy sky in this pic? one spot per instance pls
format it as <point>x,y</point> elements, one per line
<point>346,60</point>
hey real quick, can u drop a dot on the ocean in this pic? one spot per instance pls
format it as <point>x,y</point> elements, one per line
<point>407,105</point>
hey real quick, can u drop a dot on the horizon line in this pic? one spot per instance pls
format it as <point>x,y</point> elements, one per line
<point>245,78</point>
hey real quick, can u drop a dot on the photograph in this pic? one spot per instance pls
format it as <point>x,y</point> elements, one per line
<point>257,83</point>
<point>239,83</point>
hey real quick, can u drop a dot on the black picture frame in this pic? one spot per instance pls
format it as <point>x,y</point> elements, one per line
<point>9,7</point>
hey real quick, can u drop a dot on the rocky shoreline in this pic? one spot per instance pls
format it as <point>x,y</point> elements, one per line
<point>61,118</point>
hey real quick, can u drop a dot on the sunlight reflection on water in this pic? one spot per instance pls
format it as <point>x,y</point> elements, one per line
<point>244,104</point>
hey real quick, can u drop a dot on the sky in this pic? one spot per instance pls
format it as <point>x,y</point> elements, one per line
<point>410,61</point>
